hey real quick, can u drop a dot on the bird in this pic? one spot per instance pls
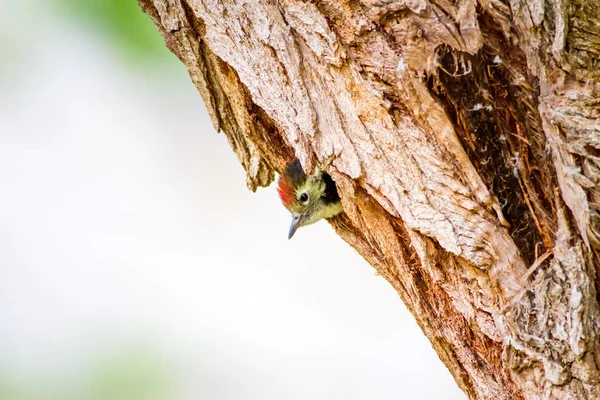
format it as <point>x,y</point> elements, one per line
<point>309,198</point>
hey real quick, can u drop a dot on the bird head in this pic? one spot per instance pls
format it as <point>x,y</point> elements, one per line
<point>308,197</point>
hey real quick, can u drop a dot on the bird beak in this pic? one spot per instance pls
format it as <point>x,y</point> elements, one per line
<point>296,222</point>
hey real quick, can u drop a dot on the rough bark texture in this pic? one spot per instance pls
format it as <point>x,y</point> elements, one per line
<point>464,136</point>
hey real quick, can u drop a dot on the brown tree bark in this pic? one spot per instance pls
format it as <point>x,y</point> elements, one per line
<point>464,137</point>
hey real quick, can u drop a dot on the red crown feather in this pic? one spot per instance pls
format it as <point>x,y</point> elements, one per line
<point>285,190</point>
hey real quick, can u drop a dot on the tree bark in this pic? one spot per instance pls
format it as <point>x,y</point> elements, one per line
<point>464,137</point>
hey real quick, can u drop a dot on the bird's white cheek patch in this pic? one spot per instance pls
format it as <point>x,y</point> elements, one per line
<point>327,212</point>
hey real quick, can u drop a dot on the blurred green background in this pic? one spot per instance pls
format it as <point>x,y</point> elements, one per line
<point>135,264</point>
<point>130,32</point>
<point>116,368</point>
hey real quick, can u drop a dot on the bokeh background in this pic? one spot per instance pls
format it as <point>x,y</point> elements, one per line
<point>135,264</point>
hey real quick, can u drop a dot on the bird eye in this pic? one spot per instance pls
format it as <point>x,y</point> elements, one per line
<point>303,197</point>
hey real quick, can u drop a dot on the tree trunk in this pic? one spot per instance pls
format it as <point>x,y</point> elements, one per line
<point>464,137</point>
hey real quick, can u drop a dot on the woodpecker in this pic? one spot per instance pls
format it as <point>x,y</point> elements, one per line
<point>308,197</point>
